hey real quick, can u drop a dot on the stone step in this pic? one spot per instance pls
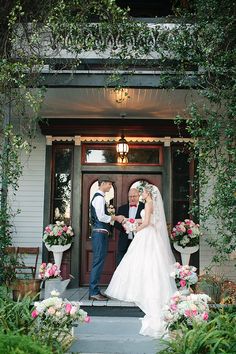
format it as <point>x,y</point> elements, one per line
<point>113,335</point>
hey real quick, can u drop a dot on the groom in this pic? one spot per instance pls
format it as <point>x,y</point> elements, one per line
<point>100,221</point>
<point>130,210</point>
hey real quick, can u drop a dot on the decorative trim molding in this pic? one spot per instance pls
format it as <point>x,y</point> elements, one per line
<point>167,140</point>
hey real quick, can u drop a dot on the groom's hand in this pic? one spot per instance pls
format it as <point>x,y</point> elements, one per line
<point>118,218</point>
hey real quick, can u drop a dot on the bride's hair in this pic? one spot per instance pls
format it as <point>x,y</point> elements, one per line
<point>150,188</point>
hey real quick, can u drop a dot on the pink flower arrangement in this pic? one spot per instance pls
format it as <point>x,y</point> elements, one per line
<point>186,233</point>
<point>57,315</point>
<point>58,234</point>
<point>49,270</point>
<point>130,225</point>
<point>184,275</point>
<point>186,310</point>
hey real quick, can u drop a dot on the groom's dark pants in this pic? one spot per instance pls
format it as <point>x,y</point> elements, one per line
<point>100,247</point>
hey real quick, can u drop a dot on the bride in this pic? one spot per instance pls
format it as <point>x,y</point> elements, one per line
<point>143,276</point>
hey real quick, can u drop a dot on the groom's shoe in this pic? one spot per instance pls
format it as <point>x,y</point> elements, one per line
<point>104,295</point>
<point>98,297</point>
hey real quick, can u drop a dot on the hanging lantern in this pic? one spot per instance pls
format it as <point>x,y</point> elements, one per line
<point>122,149</point>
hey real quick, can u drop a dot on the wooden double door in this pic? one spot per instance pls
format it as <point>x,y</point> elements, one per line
<point>119,196</point>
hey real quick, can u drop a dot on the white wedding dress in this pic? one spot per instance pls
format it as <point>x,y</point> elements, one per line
<point>143,277</point>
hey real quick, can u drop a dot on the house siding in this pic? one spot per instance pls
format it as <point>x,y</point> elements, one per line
<point>227,270</point>
<point>28,224</point>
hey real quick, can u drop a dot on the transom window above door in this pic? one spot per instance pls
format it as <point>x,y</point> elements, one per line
<point>138,154</point>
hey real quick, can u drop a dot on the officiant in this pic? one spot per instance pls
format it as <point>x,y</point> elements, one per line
<point>130,210</point>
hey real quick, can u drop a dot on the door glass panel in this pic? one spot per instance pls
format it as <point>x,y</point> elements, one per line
<point>62,184</point>
<point>181,184</point>
<point>106,154</point>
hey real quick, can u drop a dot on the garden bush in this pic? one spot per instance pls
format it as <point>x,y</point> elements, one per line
<point>12,343</point>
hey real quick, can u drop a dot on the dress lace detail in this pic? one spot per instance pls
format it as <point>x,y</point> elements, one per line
<point>143,277</point>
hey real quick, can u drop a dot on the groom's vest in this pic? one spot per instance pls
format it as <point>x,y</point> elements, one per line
<point>96,224</point>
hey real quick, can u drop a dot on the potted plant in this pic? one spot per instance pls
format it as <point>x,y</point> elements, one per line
<point>58,238</point>
<point>185,238</point>
<point>184,276</point>
<point>50,275</point>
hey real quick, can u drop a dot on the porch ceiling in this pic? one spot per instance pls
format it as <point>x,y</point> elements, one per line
<point>101,103</point>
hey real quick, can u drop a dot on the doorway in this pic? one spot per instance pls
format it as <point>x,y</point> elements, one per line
<point>122,184</point>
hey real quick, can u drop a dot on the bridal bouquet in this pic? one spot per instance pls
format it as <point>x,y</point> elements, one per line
<point>184,275</point>
<point>186,233</point>
<point>130,225</point>
<point>49,271</point>
<point>58,234</point>
<point>186,310</point>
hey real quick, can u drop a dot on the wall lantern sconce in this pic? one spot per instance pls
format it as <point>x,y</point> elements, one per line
<point>122,149</point>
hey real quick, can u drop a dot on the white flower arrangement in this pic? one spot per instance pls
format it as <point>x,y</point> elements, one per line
<point>186,233</point>
<point>58,234</point>
<point>184,275</point>
<point>186,310</point>
<point>55,311</point>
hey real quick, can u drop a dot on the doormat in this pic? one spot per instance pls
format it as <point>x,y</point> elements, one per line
<point>110,311</point>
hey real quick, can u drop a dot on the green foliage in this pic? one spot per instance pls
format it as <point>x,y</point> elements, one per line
<point>12,343</point>
<point>206,41</point>
<point>212,286</point>
<point>15,316</point>
<point>217,336</point>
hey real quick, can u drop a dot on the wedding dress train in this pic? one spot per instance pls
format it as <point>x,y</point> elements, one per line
<point>143,277</point>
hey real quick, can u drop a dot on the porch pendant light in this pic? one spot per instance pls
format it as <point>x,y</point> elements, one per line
<point>122,149</point>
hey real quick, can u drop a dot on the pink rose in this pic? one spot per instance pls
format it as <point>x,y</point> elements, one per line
<point>188,313</point>
<point>173,307</point>
<point>205,316</point>
<point>59,233</point>
<point>51,311</point>
<point>34,314</point>
<point>47,229</point>
<point>65,228</point>
<point>73,310</point>
<point>87,319</point>
<point>68,308</point>
<point>177,265</point>
<point>132,221</point>
<point>51,272</point>
<point>189,231</point>
<point>182,283</point>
